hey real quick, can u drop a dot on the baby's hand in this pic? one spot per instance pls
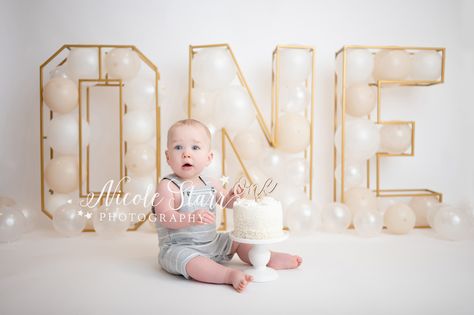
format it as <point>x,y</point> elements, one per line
<point>203,216</point>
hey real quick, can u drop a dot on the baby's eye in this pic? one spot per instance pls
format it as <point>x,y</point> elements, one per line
<point>196,147</point>
<point>178,147</point>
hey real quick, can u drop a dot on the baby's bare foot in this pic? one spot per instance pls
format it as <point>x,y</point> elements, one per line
<point>284,261</point>
<point>239,280</point>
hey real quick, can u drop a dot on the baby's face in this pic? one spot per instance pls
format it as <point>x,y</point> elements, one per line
<point>188,151</point>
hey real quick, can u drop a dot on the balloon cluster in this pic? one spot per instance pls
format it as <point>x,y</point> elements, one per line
<point>221,101</point>
<point>60,94</point>
<point>369,215</point>
<point>15,220</point>
<point>363,138</point>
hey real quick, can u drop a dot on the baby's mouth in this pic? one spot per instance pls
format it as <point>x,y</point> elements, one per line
<point>187,165</point>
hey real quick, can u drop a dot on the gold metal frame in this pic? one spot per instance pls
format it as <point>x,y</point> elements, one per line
<point>269,133</point>
<point>101,81</point>
<point>379,155</point>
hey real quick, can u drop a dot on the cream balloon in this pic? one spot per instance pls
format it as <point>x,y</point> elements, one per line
<point>293,133</point>
<point>361,100</point>
<point>293,98</point>
<point>361,141</point>
<point>122,63</point>
<point>138,126</point>
<point>353,174</point>
<point>295,65</point>
<point>63,134</point>
<point>68,221</point>
<point>233,109</point>
<point>395,138</point>
<point>202,107</point>
<point>213,68</point>
<point>422,206</point>
<point>59,72</point>
<point>426,65</point>
<point>368,223</point>
<point>61,95</point>
<point>62,174</point>
<point>140,159</point>
<point>83,63</point>
<point>359,65</point>
<point>399,219</point>
<point>111,221</point>
<point>53,202</point>
<point>31,216</point>
<point>139,94</point>
<point>336,217</point>
<point>248,144</point>
<point>383,203</point>
<point>391,65</point>
<point>12,224</point>
<point>360,199</point>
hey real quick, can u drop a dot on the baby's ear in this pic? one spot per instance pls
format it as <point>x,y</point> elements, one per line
<point>167,154</point>
<point>210,157</point>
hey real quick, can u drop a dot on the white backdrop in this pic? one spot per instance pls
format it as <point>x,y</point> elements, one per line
<point>32,30</point>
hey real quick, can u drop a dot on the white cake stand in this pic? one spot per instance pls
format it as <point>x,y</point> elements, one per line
<point>259,256</point>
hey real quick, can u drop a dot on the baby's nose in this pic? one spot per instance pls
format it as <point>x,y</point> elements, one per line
<point>186,154</point>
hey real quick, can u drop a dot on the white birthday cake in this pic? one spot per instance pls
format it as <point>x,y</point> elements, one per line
<point>258,220</point>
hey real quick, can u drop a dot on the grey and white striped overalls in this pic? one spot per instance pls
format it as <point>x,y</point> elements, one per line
<point>179,246</point>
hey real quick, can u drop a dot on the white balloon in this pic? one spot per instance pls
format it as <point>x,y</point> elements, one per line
<point>293,98</point>
<point>353,174</point>
<point>30,217</point>
<point>303,216</point>
<point>111,221</point>
<point>12,224</point>
<point>248,144</point>
<point>368,223</point>
<point>68,221</point>
<point>295,65</point>
<point>391,65</point>
<point>426,65</point>
<point>288,194</point>
<point>63,134</point>
<point>296,171</point>
<point>273,161</point>
<point>7,202</point>
<point>383,203</point>
<point>233,109</point>
<point>139,94</point>
<point>141,186</point>
<point>395,138</point>
<point>360,99</point>
<point>360,199</point>
<point>452,223</point>
<point>336,217</point>
<point>293,133</point>
<point>213,68</point>
<point>140,159</point>
<point>83,63</point>
<point>214,169</point>
<point>257,176</point>
<point>122,63</point>
<point>61,95</point>
<point>359,65</point>
<point>53,202</point>
<point>361,141</point>
<point>138,126</point>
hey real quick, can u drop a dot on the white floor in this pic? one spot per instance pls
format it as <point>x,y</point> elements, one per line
<point>44,273</point>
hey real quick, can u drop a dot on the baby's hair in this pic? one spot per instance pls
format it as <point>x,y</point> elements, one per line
<point>188,122</point>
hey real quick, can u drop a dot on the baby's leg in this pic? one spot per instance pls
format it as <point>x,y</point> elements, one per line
<point>206,270</point>
<point>277,260</point>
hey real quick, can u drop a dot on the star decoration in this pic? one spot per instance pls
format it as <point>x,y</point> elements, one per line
<point>80,213</point>
<point>224,180</point>
<point>88,215</point>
